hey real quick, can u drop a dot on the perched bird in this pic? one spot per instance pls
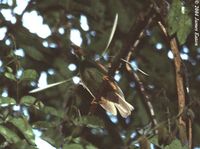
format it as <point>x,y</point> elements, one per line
<point>103,88</point>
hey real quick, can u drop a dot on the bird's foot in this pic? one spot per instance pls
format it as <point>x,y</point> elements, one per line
<point>94,101</point>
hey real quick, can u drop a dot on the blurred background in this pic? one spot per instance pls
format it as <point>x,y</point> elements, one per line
<point>35,38</point>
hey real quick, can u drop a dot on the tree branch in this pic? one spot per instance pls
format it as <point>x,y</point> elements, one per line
<point>135,77</point>
<point>132,37</point>
<point>180,87</point>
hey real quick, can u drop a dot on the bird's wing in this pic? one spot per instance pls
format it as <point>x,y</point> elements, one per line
<point>115,95</point>
<point>123,112</point>
<point>108,106</point>
<point>124,107</point>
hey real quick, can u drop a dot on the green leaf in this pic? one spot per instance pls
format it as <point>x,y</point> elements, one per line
<point>27,100</point>
<point>49,139</point>
<point>4,114</point>
<point>7,101</point>
<point>72,146</point>
<point>53,111</point>
<point>29,74</point>
<point>184,28</point>
<point>23,126</point>
<point>179,22</point>
<point>42,124</point>
<point>173,16</point>
<point>9,135</point>
<point>22,144</point>
<point>90,147</point>
<point>33,53</point>
<point>10,76</point>
<point>9,69</point>
<point>176,144</point>
<point>154,140</point>
<point>89,121</point>
<point>49,110</point>
<point>53,136</point>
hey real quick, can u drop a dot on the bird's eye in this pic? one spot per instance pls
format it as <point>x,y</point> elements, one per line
<point>72,51</point>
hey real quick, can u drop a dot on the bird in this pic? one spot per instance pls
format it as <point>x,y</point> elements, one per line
<point>102,87</point>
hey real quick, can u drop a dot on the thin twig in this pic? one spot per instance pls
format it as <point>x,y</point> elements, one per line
<point>134,75</point>
<point>145,96</point>
<point>132,37</point>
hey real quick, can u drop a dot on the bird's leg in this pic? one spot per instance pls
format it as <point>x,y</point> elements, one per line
<point>94,101</point>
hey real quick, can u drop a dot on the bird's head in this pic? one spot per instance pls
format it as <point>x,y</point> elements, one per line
<point>78,52</point>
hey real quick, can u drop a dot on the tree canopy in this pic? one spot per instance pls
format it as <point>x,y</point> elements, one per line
<point>151,54</point>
